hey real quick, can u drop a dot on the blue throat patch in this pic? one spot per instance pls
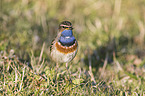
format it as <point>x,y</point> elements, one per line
<point>67,38</point>
<point>66,33</point>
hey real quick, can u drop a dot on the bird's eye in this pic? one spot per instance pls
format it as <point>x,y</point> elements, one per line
<point>67,27</point>
<point>64,27</point>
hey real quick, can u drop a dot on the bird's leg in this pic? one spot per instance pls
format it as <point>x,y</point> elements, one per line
<point>56,70</point>
<point>68,71</point>
<point>66,66</point>
<point>56,67</point>
<point>56,79</point>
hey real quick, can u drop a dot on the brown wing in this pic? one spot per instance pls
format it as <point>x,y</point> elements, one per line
<point>52,43</point>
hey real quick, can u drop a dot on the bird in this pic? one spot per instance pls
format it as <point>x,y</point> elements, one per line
<point>64,47</point>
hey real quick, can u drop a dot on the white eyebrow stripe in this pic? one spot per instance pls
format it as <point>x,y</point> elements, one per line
<point>65,25</point>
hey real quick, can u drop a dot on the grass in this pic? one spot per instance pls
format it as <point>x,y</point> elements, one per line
<point>110,59</point>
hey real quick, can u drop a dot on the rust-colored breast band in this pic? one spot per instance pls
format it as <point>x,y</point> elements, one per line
<point>64,49</point>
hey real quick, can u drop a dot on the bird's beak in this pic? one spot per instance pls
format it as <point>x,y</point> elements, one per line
<point>70,28</point>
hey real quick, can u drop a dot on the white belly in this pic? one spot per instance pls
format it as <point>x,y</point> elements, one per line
<point>62,57</point>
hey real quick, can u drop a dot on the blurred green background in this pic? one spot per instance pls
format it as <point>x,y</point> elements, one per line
<point>110,33</point>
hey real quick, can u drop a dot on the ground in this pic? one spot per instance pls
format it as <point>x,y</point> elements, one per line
<point>111,53</point>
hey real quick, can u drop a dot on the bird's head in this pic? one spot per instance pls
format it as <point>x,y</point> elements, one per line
<point>65,25</point>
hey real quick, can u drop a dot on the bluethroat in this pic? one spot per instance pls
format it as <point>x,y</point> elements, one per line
<point>64,47</point>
